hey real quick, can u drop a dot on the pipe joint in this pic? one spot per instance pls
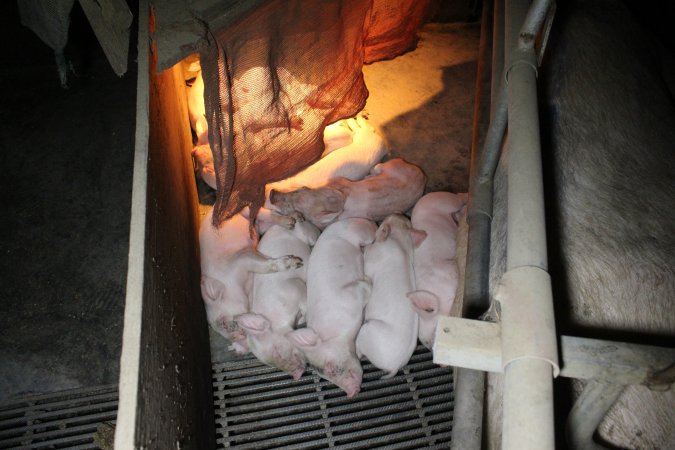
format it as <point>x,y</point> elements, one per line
<point>477,213</point>
<point>523,57</point>
<point>528,326</point>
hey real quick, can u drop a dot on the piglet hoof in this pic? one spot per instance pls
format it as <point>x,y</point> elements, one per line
<point>297,216</point>
<point>297,374</point>
<point>287,222</point>
<point>239,347</point>
<point>287,262</point>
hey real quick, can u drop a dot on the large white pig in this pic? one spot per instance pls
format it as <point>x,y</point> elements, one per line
<point>608,133</point>
<point>388,336</point>
<point>435,263</point>
<point>227,262</point>
<point>279,300</point>
<point>336,295</point>
<point>392,187</point>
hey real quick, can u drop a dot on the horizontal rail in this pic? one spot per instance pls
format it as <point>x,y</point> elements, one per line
<point>476,344</point>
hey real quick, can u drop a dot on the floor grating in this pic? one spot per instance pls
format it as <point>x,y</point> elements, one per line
<point>257,407</point>
<point>66,419</point>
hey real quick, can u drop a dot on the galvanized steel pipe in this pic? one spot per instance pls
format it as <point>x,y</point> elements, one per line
<point>528,381</point>
<point>470,384</point>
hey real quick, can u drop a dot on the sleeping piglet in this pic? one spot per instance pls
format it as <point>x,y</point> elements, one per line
<point>227,261</point>
<point>391,187</point>
<point>279,300</point>
<point>388,336</point>
<point>435,263</point>
<point>352,148</point>
<point>336,295</point>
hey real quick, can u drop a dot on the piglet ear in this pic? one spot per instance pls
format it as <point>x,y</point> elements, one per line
<point>333,203</point>
<point>417,236</point>
<point>382,232</point>
<point>304,337</point>
<point>212,289</point>
<point>253,324</point>
<point>425,303</point>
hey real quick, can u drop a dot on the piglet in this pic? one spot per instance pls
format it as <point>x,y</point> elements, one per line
<point>435,263</point>
<point>197,111</point>
<point>279,300</point>
<point>388,336</point>
<point>392,187</point>
<point>336,294</point>
<point>227,261</point>
<point>353,147</point>
<point>203,161</point>
<point>201,153</point>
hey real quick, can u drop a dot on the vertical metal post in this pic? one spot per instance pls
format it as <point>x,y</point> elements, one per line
<point>528,382</point>
<point>470,384</point>
<point>467,427</point>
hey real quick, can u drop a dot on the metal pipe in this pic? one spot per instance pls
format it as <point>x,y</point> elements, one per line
<point>497,52</point>
<point>535,17</point>
<point>528,381</point>
<point>469,385</point>
<point>588,411</point>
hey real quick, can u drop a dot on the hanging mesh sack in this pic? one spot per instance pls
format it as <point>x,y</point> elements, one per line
<point>278,76</point>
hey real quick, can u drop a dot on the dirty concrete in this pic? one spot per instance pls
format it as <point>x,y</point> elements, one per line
<point>67,157</point>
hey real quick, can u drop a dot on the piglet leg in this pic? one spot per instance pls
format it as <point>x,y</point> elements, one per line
<point>254,261</point>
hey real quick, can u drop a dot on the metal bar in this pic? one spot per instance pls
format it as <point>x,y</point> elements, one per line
<point>475,296</point>
<point>588,411</point>
<point>535,17</point>
<point>477,345</point>
<point>472,344</point>
<point>528,381</point>
<point>615,362</point>
<point>470,384</point>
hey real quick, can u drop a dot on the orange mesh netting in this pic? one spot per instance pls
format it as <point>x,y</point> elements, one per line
<point>277,77</point>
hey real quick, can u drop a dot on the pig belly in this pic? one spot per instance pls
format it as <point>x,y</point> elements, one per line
<point>610,224</point>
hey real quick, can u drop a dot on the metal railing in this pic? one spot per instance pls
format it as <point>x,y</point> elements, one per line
<point>524,345</point>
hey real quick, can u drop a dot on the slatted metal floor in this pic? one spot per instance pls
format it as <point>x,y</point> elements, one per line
<point>261,408</point>
<point>258,407</point>
<point>66,419</point>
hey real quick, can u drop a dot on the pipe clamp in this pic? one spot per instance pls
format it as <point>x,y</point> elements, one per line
<point>528,325</point>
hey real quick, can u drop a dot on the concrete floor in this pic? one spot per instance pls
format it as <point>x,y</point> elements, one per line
<point>67,159</point>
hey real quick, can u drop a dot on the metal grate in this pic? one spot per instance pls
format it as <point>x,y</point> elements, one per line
<point>66,419</point>
<point>258,407</point>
